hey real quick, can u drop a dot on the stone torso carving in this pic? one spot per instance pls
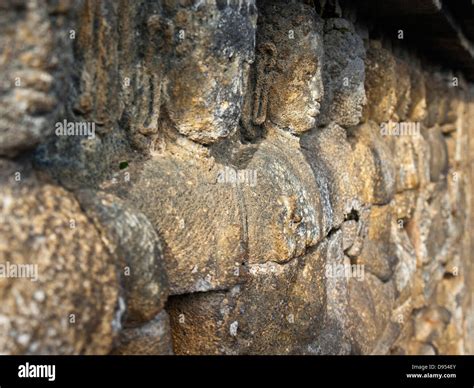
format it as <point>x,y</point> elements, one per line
<point>285,103</point>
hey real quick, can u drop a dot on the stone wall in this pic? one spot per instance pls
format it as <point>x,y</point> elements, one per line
<point>229,177</point>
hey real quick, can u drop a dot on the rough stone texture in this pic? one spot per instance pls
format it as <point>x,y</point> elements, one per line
<point>182,198</point>
<point>76,290</point>
<point>287,77</point>
<point>281,309</point>
<point>134,243</point>
<point>337,179</point>
<point>261,177</point>
<point>33,45</point>
<point>373,161</point>
<point>344,74</point>
<point>208,47</point>
<point>301,214</point>
<point>370,304</point>
<point>378,253</point>
<point>152,338</point>
<point>380,83</point>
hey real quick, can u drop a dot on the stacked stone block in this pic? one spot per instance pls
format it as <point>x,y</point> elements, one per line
<point>261,178</point>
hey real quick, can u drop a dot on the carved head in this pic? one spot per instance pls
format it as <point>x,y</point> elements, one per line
<point>417,109</point>
<point>437,92</point>
<point>289,87</point>
<point>344,74</point>
<point>208,46</point>
<point>403,90</point>
<point>380,83</point>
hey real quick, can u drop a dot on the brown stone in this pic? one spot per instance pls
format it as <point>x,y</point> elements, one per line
<point>301,214</point>
<point>374,164</point>
<point>280,310</point>
<point>343,75</point>
<point>137,250</point>
<point>33,41</point>
<point>329,153</point>
<point>370,306</point>
<point>380,83</point>
<point>196,211</point>
<point>378,254</point>
<point>205,81</point>
<point>151,339</point>
<point>71,304</point>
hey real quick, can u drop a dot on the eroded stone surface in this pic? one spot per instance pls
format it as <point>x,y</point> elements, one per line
<point>208,47</point>
<point>378,253</point>
<point>344,74</point>
<point>151,339</point>
<point>338,174</point>
<point>282,309</point>
<point>137,250</point>
<point>287,78</point>
<point>301,213</point>
<point>370,304</point>
<point>283,224</point>
<point>36,54</point>
<point>374,162</point>
<point>76,290</point>
<point>380,83</point>
<point>198,216</point>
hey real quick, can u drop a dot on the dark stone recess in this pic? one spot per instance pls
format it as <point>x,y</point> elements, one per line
<point>441,30</point>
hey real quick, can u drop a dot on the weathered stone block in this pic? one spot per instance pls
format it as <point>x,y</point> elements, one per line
<point>287,78</point>
<point>208,47</point>
<point>343,75</point>
<point>151,339</point>
<point>196,210</point>
<point>282,309</point>
<point>403,90</point>
<point>438,153</point>
<point>137,250</point>
<point>330,155</point>
<point>436,99</point>
<point>417,109</point>
<point>405,270</point>
<point>70,303</point>
<point>378,254</point>
<point>380,83</point>
<point>374,164</point>
<point>404,205</point>
<point>370,306</point>
<point>406,163</point>
<point>36,54</point>
<point>300,214</point>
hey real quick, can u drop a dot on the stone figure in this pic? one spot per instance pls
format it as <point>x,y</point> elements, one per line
<point>372,151</point>
<point>343,75</point>
<point>69,278</point>
<point>189,196</point>
<point>208,47</point>
<point>96,231</point>
<point>287,212</point>
<point>288,89</point>
<point>252,177</point>
<point>287,94</point>
<point>344,98</point>
<point>35,51</point>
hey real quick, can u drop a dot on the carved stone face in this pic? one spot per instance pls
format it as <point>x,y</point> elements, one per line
<point>344,74</point>
<point>437,94</point>
<point>290,53</point>
<point>403,91</point>
<point>417,108</point>
<point>207,46</point>
<point>380,83</point>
